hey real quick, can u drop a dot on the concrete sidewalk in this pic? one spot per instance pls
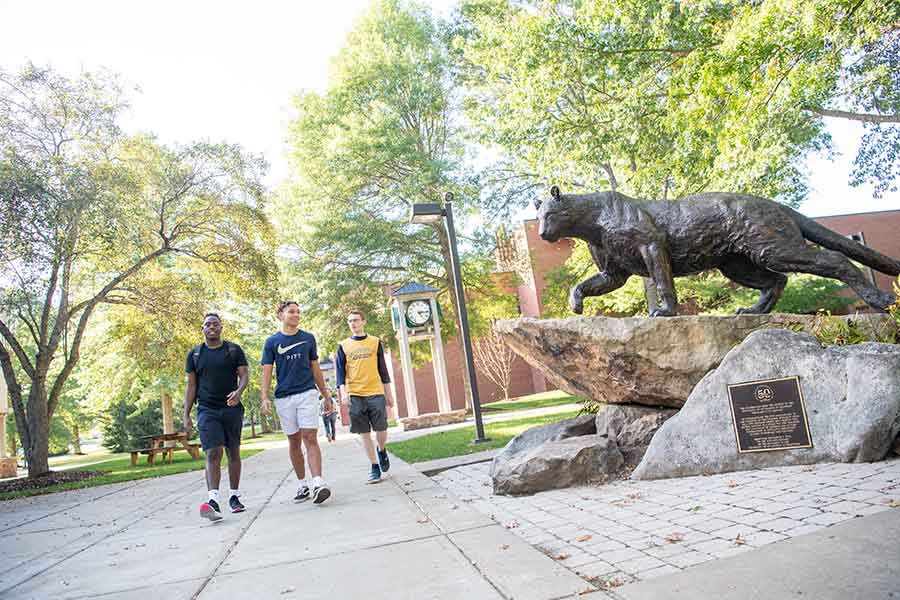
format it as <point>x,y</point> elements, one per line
<point>403,538</point>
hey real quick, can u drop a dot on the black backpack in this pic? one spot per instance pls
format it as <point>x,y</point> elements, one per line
<point>230,353</point>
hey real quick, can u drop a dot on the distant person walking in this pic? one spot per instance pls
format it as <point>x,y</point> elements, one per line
<point>329,419</point>
<point>293,354</point>
<point>363,379</point>
<point>217,375</point>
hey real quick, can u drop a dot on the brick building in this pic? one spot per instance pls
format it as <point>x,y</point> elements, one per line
<point>531,258</point>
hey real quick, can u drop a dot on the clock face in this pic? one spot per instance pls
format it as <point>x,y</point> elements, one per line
<point>418,312</point>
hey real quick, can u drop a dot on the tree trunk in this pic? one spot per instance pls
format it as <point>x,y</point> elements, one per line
<point>252,425</point>
<point>13,439</point>
<point>76,439</point>
<point>264,425</point>
<point>37,453</point>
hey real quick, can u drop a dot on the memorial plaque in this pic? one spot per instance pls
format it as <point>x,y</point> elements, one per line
<point>769,415</point>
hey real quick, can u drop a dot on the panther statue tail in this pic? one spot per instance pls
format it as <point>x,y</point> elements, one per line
<point>853,250</point>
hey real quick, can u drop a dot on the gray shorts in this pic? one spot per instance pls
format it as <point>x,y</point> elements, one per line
<point>368,413</point>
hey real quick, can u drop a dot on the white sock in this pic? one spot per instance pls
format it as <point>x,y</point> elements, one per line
<point>317,481</point>
<point>235,493</point>
<point>214,495</point>
<point>304,483</point>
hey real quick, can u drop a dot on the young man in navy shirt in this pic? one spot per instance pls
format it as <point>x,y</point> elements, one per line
<point>293,354</point>
<point>217,375</point>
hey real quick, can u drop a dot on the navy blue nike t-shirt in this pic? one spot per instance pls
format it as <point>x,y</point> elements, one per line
<point>291,355</point>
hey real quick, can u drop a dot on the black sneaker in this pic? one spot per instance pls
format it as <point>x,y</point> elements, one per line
<point>236,505</point>
<point>321,494</point>
<point>384,461</point>
<point>302,494</point>
<point>210,510</point>
<point>374,474</point>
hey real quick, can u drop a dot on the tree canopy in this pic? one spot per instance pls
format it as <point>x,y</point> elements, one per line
<point>662,99</point>
<point>85,210</point>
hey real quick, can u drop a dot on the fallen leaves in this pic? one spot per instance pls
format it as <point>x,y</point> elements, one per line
<point>739,541</point>
<point>608,583</point>
<point>695,509</point>
<point>732,484</point>
<point>504,546</point>
<point>584,538</point>
<point>674,537</point>
<point>512,525</point>
<point>422,520</point>
<point>561,556</point>
<point>288,590</point>
<point>892,503</point>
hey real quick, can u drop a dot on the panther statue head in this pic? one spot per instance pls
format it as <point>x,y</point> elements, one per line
<point>553,216</point>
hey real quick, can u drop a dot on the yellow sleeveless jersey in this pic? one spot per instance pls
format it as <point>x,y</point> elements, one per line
<point>362,378</point>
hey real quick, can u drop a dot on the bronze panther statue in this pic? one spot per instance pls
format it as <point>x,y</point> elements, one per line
<point>752,241</point>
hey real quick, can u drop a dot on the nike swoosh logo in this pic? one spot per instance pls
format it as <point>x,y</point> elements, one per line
<point>286,348</point>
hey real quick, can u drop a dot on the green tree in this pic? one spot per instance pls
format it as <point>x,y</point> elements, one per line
<point>662,99</point>
<point>84,210</point>
<point>385,134</point>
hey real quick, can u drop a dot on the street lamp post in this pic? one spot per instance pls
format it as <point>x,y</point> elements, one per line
<point>423,214</point>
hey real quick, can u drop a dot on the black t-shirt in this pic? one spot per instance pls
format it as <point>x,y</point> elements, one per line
<point>216,370</point>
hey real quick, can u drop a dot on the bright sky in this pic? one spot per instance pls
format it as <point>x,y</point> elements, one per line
<point>226,71</point>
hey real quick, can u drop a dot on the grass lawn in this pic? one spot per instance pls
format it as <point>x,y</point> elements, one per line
<point>541,400</point>
<point>117,466</point>
<point>458,442</point>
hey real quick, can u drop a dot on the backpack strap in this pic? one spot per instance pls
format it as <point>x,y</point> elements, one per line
<point>230,353</point>
<point>195,353</point>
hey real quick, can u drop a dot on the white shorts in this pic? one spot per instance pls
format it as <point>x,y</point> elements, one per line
<point>298,411</point>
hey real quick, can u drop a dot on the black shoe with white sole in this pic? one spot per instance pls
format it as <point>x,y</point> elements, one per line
<point>236,505</point>
<point>302,494</point>
<point>321,494</point>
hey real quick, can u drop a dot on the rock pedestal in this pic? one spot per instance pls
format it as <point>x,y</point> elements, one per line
<point>641,360</point>
<point>851,396</point>
<point>575,451</point>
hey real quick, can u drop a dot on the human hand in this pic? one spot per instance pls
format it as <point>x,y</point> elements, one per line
<point>188,425</point>
<point>233,398</point>
<point>266,406</point>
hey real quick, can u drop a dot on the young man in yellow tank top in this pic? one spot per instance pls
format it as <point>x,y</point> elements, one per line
<point>363,379</point>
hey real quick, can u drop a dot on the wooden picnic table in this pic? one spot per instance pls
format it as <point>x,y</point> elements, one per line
<point>157,446</point>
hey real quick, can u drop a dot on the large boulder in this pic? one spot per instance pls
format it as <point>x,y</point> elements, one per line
<point>556,464</point>
<point>851,395</point>
<point>534,437</point>
<point>640,360</point>
<point>631,427</point>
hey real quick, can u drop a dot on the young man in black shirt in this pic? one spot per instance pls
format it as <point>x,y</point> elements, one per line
<point>217,375</point>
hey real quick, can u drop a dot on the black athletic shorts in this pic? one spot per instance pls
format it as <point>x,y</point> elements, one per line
<point>220,426</point>
<point>368,413</point>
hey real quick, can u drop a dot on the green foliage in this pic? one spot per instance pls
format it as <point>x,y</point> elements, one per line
<point>663,99</point>
<point>60,438</point>
<point>383,136</point>
<point>834,331</point>
<point>127,422</point>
